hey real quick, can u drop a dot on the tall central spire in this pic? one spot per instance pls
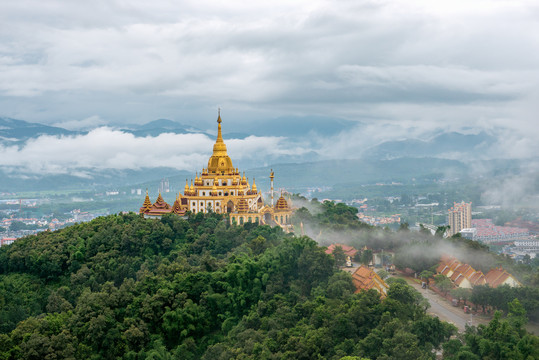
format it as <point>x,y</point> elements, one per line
<point>219,134</point>
<point>219,161</point>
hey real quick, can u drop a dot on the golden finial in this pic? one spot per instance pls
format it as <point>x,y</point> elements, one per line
<point>219,115</point>
<point>254,185</point>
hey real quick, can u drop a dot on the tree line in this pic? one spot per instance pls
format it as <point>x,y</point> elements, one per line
<point>125,287</point>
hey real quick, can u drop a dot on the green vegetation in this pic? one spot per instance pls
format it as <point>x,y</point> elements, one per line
<point>500,339</point>
<point>124,287</point>
<point>127,287</point>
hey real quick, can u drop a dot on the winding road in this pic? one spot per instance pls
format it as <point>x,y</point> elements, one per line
<point>441,308</point>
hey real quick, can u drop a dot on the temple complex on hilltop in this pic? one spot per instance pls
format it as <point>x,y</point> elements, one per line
<point>222,189</point>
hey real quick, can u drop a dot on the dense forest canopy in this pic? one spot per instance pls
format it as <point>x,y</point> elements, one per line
<point>125,287</point>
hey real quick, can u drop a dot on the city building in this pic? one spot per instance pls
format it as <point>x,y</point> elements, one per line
<point>469,233</point>
<point>459,217</point>
<point>527,246</point>
<point>7,241</point>
<point>487,232</point>
<point>221,188</point>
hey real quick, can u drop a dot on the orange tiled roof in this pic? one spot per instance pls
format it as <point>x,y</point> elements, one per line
<point>348,250</point>
<point>460,271</point>
<point>366,279</point>
<point>478,278</point>
<point>497,276</point>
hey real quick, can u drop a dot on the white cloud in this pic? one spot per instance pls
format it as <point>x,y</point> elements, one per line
<point>104,148</point>
<point>417,65</point>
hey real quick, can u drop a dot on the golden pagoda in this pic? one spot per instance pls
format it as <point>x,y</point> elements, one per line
<point>222,189</point>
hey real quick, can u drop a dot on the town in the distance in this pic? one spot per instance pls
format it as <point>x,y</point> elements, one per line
<point>223,188</point>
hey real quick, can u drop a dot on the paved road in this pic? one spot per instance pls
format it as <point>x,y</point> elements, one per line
<point>443,309</point>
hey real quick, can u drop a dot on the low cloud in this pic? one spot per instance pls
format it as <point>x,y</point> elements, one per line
<point>105,148</point>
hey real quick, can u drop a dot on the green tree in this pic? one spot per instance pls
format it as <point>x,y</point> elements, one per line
<point>443,283</point>
<point>426,275</point>
<point>339,255</point>
<point>461,294</point>
<point>366,257</point>
<point>404,227</point>
<point>17,226</point>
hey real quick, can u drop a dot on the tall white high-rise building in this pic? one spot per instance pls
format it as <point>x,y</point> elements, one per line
<point>459,217</point>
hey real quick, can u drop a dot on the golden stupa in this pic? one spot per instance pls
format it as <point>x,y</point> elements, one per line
<point>222,189</point>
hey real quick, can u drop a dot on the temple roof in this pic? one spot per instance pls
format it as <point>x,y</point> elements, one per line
<point>366,279</point>
<point>282,204</point>
<point>160,203</point>
<point>177,206</point>
<point>242,206</point>
<point>348,250</point>
<point>147,204</point>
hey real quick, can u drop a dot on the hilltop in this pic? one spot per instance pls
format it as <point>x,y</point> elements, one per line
<point>127,287</point>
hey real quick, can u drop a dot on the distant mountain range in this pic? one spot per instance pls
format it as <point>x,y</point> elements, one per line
<point>17,131</point>
<point>443,145</point>
<point>400,160</point>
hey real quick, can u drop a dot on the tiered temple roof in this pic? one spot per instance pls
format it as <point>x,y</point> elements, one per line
<point>282,204</point>
<point>147,204</point>
<point>222,189</point>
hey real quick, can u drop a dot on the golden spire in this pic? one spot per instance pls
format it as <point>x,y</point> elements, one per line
<point>186,190</point>
<point>219,161</point>
<point>254,186</point>
<point>219,143</point>
<point>191,188</point>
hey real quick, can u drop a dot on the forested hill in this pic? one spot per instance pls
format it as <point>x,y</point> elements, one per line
<point>126,287</point>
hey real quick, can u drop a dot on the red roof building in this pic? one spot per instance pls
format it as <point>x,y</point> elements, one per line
<point>348,250</point>
<point>499,276</point>
<point>365,278</point>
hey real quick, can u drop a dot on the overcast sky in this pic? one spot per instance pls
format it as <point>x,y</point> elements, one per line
<point>415,65</point>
